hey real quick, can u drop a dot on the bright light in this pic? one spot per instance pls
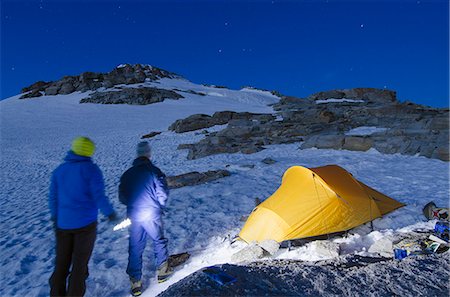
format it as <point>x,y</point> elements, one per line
<point>122,225</point>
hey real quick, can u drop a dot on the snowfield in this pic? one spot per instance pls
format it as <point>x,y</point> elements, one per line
<point>36,134</point>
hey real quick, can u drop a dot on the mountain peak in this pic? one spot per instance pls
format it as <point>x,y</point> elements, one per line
<point>90,81</point>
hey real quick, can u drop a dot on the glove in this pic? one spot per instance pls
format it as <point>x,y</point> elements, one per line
<point>113,217</point>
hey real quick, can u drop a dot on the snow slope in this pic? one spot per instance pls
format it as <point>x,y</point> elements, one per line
<point>36,134</point>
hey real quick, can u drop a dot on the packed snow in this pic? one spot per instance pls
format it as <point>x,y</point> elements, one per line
<point>365,130</point>
<point>258,91</point>
<point>36,134</point>
<point>333,100</point>
<point>350,275</point>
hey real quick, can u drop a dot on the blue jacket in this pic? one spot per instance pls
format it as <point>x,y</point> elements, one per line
<point>77,191</point>
<point>143,189</point>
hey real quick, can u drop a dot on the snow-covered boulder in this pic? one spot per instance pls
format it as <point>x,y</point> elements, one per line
<point>250,253</point>
<point>325,248</point>
<point>270,246</point>
<point>383,247</point>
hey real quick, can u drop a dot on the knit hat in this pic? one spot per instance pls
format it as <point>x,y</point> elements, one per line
<point>143,149</point>
<point>83,146</point>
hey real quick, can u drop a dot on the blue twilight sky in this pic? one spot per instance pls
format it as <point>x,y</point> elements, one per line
<point>295,47</point>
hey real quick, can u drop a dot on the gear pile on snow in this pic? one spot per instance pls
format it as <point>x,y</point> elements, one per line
<point>424,243</point>
<point>432,212</point>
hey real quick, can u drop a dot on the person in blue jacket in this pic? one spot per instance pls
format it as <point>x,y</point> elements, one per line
<point>77,191</point>
<point>143,189</point>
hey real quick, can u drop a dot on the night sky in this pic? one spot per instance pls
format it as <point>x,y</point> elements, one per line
<point>295,47</point>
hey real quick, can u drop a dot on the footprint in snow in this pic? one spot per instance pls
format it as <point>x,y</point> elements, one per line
<point>26,264</point>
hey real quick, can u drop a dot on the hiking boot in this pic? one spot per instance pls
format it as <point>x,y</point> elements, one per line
<point>164,272</point>
<point>136,287</point>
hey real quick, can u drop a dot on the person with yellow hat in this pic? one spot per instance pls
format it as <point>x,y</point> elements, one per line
<point>77,191</point>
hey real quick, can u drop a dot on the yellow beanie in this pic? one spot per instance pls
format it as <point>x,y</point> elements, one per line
<point>83,146</point>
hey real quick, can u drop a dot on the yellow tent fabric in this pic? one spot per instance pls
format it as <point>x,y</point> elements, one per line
<point>316,201</point>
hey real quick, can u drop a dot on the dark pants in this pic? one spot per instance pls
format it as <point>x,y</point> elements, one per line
<point>139,232</point>
<point>73,248</point>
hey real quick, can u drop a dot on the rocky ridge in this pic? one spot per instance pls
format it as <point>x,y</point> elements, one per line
<point>90,81</point>
<point>324,120</point>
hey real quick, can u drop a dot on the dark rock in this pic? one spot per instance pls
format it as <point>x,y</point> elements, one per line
<point>367,94</point>
<point>326,116</point>
<point>202,150</point>
<point>202,121</point>
<point>67,88</point>
<point>357,143</point>
<point>324,142</point>
<point>439,123</point>
<point>249,166</point>
<point>268,161</point>
<point>36,87</point>
<point>53,89</point>
<point>32,94</point>
<point>195,178</point>
<point>192,123</point>
<point>133,96</point>
<point>185,146</point>
<point>441,153</point>
<point>150,135</point>
<point>251,149</point>
<point>392,145</point>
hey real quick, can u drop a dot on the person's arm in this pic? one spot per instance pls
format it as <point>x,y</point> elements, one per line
<point>122,193</point>
<point>161,187</point>
<point>52,201</point>
<point>97,188</point>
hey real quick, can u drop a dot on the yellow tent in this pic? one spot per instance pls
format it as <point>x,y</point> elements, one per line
<point>316,201</point>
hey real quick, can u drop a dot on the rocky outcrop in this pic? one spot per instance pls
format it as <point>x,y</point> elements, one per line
<point>366,94</point>
<point>133,96</point>
<point>245,136</point>
<point>195,178</point>
<point>203,121</point>
<point>90,81</point>
<point>409,128</point>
